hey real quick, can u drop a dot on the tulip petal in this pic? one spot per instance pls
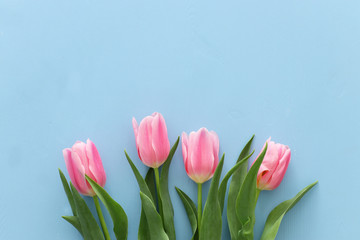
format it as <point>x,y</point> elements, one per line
<point>202,158</point>
<point>82,185</point>
<point>80,148</point>
<point>192,149</point>
<point>160,140</point>
<point>95,164</point>
<point>215,140</point>
<point>184,145</point>
<point>263,178</point>
<point>271,159</point>
<point>274,166</point>
<point>147,154</point>
<point>69,165</point>
<point>279,174</point>
<point>188,166</point>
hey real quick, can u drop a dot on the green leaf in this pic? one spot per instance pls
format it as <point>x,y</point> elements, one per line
<point>167,207</point>
<point>89,226</point>
<point>276,215</point>
<point>153,219</point>
<point>68,192</point>
<point>142,184</point>
<point>246,200</point>
<point>117,213</point>
<point>210,226</point>
<point>144,232</point>
<point>73,220</point>
<point>234,189</point>
<point>190,209</point>
<point>150,181</point>
<point>223,185</point>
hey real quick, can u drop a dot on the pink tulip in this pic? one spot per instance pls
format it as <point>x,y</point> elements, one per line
<point>274,165</point>
<point>152,140</point>
<point>201,154</point>
<point>84,159</point>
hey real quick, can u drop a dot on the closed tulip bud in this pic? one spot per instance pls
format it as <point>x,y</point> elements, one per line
<point>274,165</point>
<point>84,159</point>
<point>152,140</point>
<point>201,154</point>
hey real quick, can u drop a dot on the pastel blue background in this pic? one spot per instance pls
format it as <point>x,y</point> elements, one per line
<point>72,70</point>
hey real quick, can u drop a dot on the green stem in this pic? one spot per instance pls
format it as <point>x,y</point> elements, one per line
<point>157,181</point>
<point>199,204</point>
<point>101,218</point>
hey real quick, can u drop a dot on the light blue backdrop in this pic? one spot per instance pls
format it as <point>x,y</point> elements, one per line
<point>72,70</point>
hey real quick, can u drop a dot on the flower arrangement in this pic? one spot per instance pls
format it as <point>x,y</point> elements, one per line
<point>200,152</point>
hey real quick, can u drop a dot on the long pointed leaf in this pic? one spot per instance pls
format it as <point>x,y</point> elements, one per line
<point>234,189</point>
<point>142,184</point>
<point>167,207</point>
<point>117,213</point>
<point>153,219</point>
<point>68,192</point>
<point>210,226</point>
<point>190,209</point>
<point>246,200</point>
<point>89,226</point>
<point>150,182</point>
<point>223,185</point>
<point>143,233</point>
<point>276,215</point>
<point>73,220</point>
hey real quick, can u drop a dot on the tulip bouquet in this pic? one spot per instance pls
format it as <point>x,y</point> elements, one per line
<point>201,160</point>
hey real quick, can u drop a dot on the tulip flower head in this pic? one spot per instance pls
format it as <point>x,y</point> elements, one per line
<point>201,154</point>
<point>83,158</point>
<point>274,166</point>
<point>152,140</point>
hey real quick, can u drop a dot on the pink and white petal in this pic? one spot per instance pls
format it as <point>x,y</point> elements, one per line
<point>147,154</point>
<point>184,145</point>
<point>204,176</point>
<point>202,153</point>
<point>80,148</point>
<point>271,159</point>
<point>188,167</point>
<point>285,159</point>
<point>69,165</point>
<point>160,140</point>
<point>189,148</point>
<point>282,150</point>
<point>193,153</point>
<point>79,173</point>
<point>191,142</point>
<point>216,144</point>
<point>265,176</point>
<point>279,174</point>
<point>262,180</point>
<point>95,164</point>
